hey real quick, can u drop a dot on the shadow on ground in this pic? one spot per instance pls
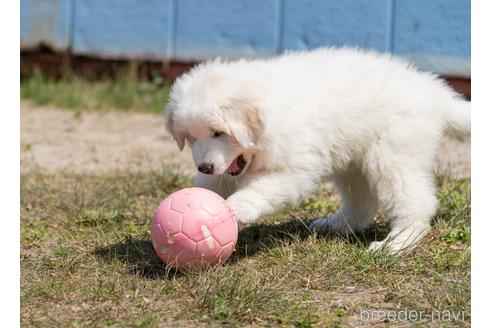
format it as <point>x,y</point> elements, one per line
<point>139,255</point>
<point>261,237</point>
<point>143,261</point>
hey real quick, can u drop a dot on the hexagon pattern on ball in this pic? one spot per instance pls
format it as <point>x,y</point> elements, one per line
<point>194,227</point>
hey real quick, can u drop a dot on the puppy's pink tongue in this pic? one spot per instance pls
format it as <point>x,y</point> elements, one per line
<point>233,167</point>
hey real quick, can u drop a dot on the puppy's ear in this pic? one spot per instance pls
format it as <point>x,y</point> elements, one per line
<point>242,120</point>
<point>177,135</point>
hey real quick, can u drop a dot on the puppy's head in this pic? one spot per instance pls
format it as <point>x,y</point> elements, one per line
<point>222,124</point>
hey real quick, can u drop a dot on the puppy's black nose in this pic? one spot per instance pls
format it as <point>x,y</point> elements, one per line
<point>207,168</point>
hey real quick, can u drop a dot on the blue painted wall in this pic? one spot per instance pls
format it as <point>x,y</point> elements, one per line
<point>121,28</point>
<point>435,34</point>
<point>47,22</point>
<point>230,28</point>
<point>311,23</point>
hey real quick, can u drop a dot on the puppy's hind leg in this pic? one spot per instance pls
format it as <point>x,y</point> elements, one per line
<point>358,205</point>
<point>410,203</point>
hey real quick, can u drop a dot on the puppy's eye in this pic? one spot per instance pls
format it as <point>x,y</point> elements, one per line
<point>217,134</point>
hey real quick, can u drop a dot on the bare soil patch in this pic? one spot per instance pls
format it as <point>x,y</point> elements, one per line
<point>97,142</point>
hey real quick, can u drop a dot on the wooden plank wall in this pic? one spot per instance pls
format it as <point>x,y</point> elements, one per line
<point>435,34</point>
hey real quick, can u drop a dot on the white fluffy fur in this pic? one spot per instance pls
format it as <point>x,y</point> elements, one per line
<point>370,122</point>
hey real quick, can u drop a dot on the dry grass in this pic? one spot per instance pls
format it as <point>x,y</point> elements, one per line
<point>87,260</point>
<point>126,92</point>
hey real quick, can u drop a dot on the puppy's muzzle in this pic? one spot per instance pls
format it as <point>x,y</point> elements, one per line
<point>206,168</point>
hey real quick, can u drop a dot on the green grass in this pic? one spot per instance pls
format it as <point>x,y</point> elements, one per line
<point>125,92</point>
<point>87,260</point>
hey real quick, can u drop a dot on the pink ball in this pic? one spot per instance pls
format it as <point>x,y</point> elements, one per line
<point>194,227</point>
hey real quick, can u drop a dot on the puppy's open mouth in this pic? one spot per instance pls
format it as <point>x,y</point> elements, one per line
<point>237,166</point>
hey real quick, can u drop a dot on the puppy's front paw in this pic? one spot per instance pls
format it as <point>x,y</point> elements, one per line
<point>375,246</point>
<point>244,212</point>
<point>387,246</point>
<point>320,225</point>
<point>334,223</point>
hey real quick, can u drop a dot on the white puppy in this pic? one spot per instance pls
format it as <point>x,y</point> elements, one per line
<point>263,133</point>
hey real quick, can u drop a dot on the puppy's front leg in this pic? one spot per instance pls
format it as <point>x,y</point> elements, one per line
<point>221,184</point>
<point>264,193</point>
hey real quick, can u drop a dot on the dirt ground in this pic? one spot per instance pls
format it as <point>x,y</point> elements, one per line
<point>57,140</point>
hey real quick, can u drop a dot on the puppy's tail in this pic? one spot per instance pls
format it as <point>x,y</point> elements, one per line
<point>458,116</point>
